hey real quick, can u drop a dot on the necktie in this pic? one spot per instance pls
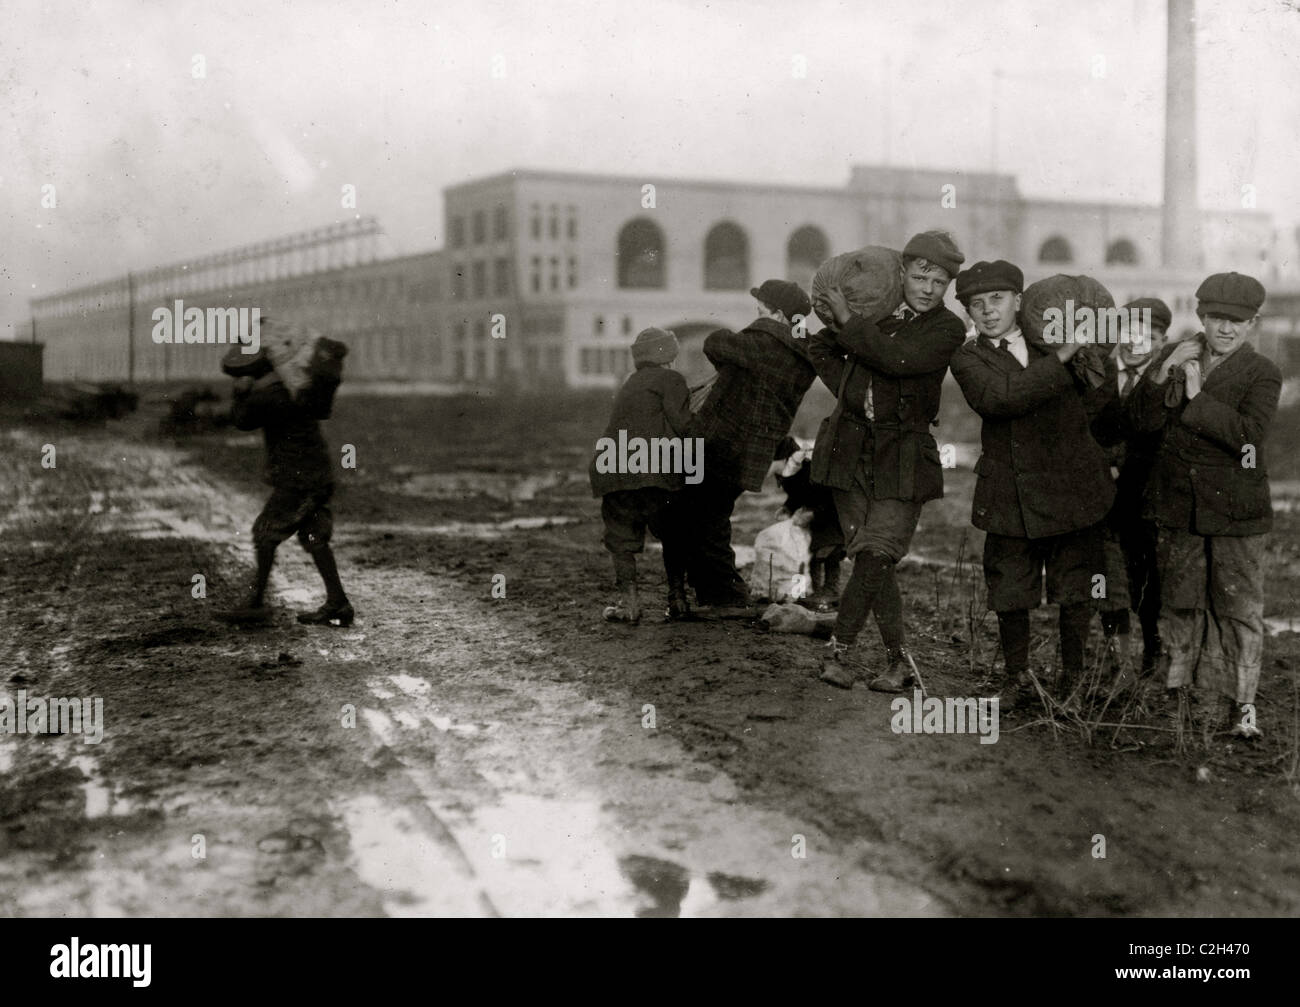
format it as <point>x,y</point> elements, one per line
<point>1127,386</point>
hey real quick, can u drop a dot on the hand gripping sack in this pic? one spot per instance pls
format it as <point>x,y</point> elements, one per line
<point>870,279</point>
<point>1068,294</point>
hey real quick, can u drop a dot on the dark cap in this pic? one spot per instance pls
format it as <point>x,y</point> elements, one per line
<point>985,276</point>
<point>654,346</point>
<point>783,296</point>
<point>1235,295</point>
<point>937,247</point>
<point>1161,316</point>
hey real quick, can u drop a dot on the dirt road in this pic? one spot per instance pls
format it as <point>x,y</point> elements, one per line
<point>460,752</point>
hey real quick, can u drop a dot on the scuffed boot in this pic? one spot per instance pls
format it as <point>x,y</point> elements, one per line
<point>329,614</point>
<point>678,605</point>
<point>900,673</point>
<point>837,668</point>
<point>627,608</point>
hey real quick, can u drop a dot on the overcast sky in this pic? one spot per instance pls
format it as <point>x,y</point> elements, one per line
<point>399,99</point>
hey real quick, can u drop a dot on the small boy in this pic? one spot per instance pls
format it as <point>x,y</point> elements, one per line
<point>1042,485</point>
<point>654,402</point>
<point>794,476</point>
<point>302,482</point>
<point>1131,573</point>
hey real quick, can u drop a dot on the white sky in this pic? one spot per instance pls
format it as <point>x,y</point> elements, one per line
<point>399,99</point>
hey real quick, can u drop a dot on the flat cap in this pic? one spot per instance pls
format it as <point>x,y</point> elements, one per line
<point>1232,294</point>
<point>785,296</point>
<point>985,276</point>
<point>1161,316</point>
<point>937,247</point>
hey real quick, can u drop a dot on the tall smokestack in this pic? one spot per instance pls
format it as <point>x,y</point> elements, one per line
<point>1181,231</point>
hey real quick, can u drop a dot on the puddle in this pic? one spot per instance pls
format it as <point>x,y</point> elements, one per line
<point>671,891</point>
<point>1281,624</point>
<point>544,857</point>
<point>101,801</point>
<point>417,874</point>
<point>458,529</point>
<point>504,486</point>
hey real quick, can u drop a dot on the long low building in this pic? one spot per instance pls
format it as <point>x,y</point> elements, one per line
<point>547,276</point>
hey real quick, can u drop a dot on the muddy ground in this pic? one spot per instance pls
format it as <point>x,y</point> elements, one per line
<point>463,753</point>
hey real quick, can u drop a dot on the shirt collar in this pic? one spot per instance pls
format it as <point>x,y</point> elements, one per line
<point>1011,338</point>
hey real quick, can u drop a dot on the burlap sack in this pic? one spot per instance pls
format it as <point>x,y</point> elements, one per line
<point>870,278</point>
<point>1089,364</point>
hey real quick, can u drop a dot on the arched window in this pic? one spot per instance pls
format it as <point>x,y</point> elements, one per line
<point>804,252</point>
<point>1056,249</point>
<point>726,258</point>
<point>641,255</point>
<point>1121,253</point>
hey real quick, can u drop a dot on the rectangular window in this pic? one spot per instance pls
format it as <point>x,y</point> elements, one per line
<point>480,331</point>
<point>480,227</point>
<point>458,232</point>
<point>573,272</point>
<point>458,282</point>
<point>598,325</point>
<point>573,223</point>
<point>480,363</point>
<point>584,361</point>
<point>627,325</point>
<point>555,223</point>
<point>501,277</point>
<point>555,273</point>
<point>535,226</point>
<point>500,224</point>
<point>501,361</point>
<point>480,278</point>
<point>537,274</point>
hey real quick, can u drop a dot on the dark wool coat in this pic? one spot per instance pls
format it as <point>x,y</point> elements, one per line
<point>763,373</point>
<point>906,365</point>
<point>653,402</point>
<point>1199,483</point>
<point>1040,472</point>
<point>296,455</point>
<point>1131,451</point>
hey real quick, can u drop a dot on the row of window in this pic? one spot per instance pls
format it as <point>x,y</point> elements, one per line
<point>472,365</point>
<point>552,223</point>
<point>478,279</point>
<point>604,360</point>
<point>477,231</point>
<point>535,274</point>
<point>642,254</point>
<point>478,227</point>
<point>598,325</point>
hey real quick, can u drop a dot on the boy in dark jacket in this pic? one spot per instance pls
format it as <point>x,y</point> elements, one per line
<point>1042,484</point>
<point>302,482</point>
<point>763,373</point>
<point>654,406</point>
<point>1214,398</point>
<point>876,451</point>
<point>1132,579</point>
